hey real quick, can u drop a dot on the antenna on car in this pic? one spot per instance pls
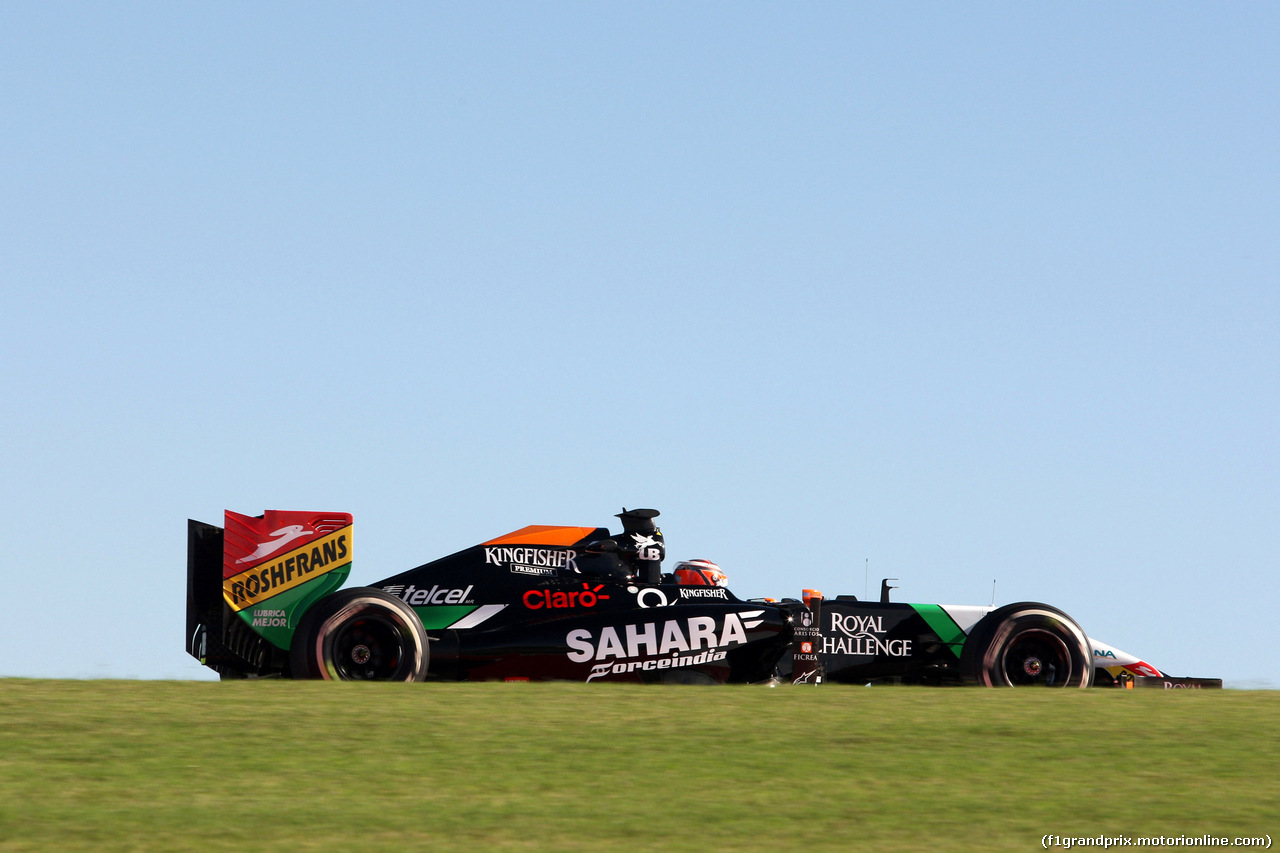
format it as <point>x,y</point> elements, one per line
<point>866,574</point>
<point>993,593</point>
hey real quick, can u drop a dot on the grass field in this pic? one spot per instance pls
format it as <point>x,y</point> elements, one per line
<point>117,765</point>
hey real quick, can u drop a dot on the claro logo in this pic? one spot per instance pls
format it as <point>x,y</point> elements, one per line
<point>547,599</point>
<point>672,637</point>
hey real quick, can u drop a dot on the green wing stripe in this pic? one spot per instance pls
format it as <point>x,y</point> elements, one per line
<point>943,625</point>
<point>442,616</point>
<point>457,616</point>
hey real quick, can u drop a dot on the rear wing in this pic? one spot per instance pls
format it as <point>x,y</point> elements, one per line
<point>250,582</point>
<point>204,591</point>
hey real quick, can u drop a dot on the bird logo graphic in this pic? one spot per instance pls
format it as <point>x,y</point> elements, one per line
<point>283,537</point>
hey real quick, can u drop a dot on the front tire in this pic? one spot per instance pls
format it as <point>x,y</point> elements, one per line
<point>1027,644</point>
<point>360,634</point>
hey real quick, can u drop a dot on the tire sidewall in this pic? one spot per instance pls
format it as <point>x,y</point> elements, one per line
<point>982,659</point>
<point>311,653</point>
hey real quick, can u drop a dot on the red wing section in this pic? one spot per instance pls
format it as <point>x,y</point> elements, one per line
<point>266,555</point>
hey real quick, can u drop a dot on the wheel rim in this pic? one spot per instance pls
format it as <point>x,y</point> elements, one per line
<point>1036,657</point>
<point>368,649</point>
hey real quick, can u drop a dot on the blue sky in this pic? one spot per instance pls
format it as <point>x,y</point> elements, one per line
<point>948,293</point>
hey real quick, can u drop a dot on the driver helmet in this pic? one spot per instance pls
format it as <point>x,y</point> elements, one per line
<point>700,573</point>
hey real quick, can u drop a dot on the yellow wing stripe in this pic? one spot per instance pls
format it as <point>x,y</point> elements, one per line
<point>291,569</point>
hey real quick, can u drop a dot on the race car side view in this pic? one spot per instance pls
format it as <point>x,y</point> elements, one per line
<point>264,599</point>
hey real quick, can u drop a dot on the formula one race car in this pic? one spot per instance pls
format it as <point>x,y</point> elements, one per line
<point>581,604</point>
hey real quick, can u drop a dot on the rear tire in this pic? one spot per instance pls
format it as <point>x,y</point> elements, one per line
<point>360,634</point>
<point>1027,644</point>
